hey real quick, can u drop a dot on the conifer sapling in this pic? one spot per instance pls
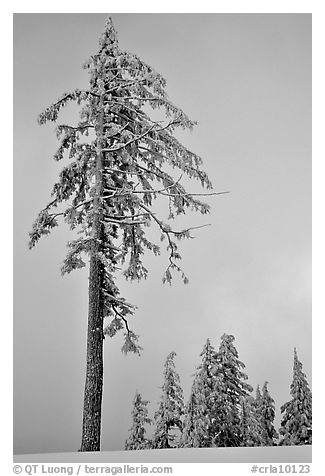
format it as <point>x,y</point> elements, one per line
<point>137,439</point>
<point>296,424</point>
<point>265,408</point>
<point>251,429</point>
<point>171,407</point>
<point>190,435</point>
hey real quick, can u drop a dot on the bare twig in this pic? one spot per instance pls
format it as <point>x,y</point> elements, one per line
<point>187,194</point>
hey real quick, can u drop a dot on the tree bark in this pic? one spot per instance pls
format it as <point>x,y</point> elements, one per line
<point>91,427</point>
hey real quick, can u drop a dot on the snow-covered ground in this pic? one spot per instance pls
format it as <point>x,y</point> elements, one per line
<point>281,454</point>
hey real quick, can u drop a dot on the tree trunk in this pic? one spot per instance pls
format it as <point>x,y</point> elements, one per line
<point>91,427</point>
<point>92,411</point>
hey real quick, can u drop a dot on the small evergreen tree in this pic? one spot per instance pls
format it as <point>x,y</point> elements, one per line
<point>188,439</point>
<point>230,387</point>
<point>296,424</point>
<point>137,439</point>
<point>171,408</point>
<point>203,400</point>
<point>258,396</point>
<point>251,429</point>
<point>257,405</point>
<point>266,412</point>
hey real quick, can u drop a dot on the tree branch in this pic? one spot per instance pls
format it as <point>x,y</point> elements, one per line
<point>122,146</point>
<point>75,128</point>
<point>72,206</point>
<point>69,96</point>
<point>120,222</point>
<point>153,191</point>
<point>123,319</point>
<point>186,194</point>
<point>131,83</point>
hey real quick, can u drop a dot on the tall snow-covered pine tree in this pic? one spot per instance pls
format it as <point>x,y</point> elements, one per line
<point>120,160</point>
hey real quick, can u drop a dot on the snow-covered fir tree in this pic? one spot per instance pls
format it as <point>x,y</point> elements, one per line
<point>137,439</point>
<point>257,402</point>
<point>258,395</point>
<point>230,387</point>
<point>251,429</point>
<point>296,424</point>
<point>265,407</point>
<point>198,430</point>
<point>168,418</point>
<point>119,162</point>
<point>190,435</point>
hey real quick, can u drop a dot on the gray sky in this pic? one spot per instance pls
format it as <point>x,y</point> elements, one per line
<point>246,79</point>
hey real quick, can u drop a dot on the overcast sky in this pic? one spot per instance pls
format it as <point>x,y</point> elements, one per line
<point>246,79</point>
